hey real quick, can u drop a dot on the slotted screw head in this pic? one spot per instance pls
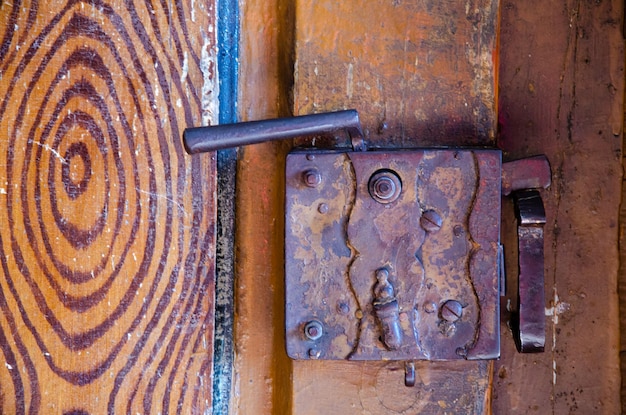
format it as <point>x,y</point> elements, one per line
<point>451,311</point>
<point>431,221</point>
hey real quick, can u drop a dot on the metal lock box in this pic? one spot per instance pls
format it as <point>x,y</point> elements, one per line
<point>394,254</point>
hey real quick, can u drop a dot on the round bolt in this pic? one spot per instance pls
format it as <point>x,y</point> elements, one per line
<point>322,208</point>
<point>313,330</point>
<point>457,230</point>
<point>431,221</point>
<point>430,307</point>
<point>343,308</point>
<point>314,353</point>
<point>312,178</point>
<point>385,186</point>
<point>451,311</point>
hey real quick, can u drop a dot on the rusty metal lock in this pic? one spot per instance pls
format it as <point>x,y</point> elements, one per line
<point>394,254</point>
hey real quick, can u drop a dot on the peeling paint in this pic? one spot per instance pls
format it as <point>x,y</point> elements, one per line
<point>210,84</point>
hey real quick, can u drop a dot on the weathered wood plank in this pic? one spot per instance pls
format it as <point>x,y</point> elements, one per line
<point>420,74</point>
<point>107,227</point>
<point>561,83</point>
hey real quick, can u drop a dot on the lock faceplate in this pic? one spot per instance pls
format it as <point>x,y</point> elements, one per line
<point>393,255</point>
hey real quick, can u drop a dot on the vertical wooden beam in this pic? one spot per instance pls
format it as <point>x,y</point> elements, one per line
<point>107,227</point>
<point>561,83</point>
<point>262,381</point>
<point>420,74</point>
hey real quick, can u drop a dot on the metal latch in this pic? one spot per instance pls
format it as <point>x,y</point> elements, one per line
<point>394,254</point>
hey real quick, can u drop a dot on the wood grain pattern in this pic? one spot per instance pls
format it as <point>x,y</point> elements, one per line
<point>561,83</point>
<point>107,227</point>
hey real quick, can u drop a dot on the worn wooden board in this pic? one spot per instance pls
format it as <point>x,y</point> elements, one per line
<point>262,380</point>
<point>106,226</point>
<point>562,70</point>
<point>419,72</point>
<point>561,94</point>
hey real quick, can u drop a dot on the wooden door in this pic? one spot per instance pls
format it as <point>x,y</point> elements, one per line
<point>107,226</point>
<point>532,78</point>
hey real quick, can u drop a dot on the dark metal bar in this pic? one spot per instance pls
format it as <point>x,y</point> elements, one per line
<point>526,173</point>
<point>223,343</point>
<point>531,324</point>
<point>218,137</point>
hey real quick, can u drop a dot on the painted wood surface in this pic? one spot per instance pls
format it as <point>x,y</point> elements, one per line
<point>107,226</point>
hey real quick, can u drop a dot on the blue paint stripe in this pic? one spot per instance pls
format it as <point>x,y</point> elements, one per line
<point>227,63</point>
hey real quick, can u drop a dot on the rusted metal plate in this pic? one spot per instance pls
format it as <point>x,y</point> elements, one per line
<point>393,255</point>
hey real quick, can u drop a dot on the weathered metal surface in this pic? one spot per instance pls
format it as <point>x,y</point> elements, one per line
<point>530,321</point>
<point>526,173</point>
<point>375,274</point>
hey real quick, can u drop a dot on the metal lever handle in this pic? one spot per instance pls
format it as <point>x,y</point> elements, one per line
<point>219,137</point>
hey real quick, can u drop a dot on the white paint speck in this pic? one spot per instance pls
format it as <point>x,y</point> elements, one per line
<point>185,69</point>
<point>350,80</point>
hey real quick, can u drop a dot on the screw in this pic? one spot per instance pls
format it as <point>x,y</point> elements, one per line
<point>385,186</point>
<point>312,178</point>
<point>451,311</point>
<point>313,330</point>
<point>431,221</point>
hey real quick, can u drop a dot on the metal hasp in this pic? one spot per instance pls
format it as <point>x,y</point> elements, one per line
<point>530,322</point>
<point>395,254</point>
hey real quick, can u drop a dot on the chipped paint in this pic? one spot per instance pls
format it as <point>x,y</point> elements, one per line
<point>210,81</point>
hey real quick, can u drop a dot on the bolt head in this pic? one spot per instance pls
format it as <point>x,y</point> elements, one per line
<point>312,178</point>
<point>313,330</point>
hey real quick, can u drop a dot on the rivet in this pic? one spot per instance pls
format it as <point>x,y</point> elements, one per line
<point>430,307</point>
<point>310,157</point>
<point>343,308</point>
<point>314,353</point>
<point>322,208</point>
